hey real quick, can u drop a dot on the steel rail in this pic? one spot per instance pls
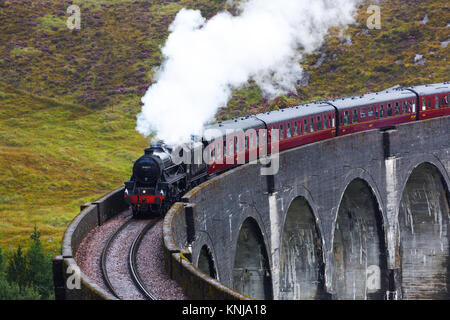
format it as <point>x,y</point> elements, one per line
<point>104,255</point>
<point>132,263</point>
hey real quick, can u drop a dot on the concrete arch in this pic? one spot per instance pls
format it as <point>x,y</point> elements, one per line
<point>359,268</point>
<point>301,254</point>
<point>424,227</point>
<point>417,161</point>
<point>302,191</point>
<point>351,175</point>
<point>204,239</point>
<point>251,267</point>
<point>362,174</point>
<point>206,262</point>
<point>251,212</point>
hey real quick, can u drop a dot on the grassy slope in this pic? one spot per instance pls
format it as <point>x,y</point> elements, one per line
<point>54,157</point>
<point>68,100</point>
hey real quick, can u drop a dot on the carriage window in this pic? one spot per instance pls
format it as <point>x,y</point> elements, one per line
<point>274,133</point>
<point>295,128</point>
<point>397,108</point>
<point>444,101</point>
<point>281,132</point>
<point>231,148</point>
<point>381,111</point>
<point>288,130</point>
<point>436,105</point>
<point>429,103</point>
<point>341,120</point>
<point>218,150</point>
<point>325,122</point>
<point>332,122</point>
<point>224,148</point>
<point>251,140</point>
<point>346,118</point>
<point>246,142</point>
<point>405,107</point>
<point>389,110</point>
<point>305,126</point>
<point>424,104</point>
<point>312,125</point>
<point>319,123</point>
<point>355,116</point>
<point>370,114</point>
<point>363,112</point>
<point>213,154</point>
<point>236,145</point>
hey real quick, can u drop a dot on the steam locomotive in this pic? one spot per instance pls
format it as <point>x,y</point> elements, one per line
<point>158,181</point>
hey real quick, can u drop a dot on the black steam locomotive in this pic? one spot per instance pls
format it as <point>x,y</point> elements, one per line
<point>157,182</point>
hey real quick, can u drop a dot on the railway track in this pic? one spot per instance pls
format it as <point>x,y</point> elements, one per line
<point>132,273</point>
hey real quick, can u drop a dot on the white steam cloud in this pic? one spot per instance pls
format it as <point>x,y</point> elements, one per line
<point>205,60</point>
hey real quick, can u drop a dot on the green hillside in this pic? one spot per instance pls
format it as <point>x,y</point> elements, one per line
<point>68,99</point>
<point>56,156</point>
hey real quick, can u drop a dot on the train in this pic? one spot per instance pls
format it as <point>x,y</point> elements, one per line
<point>158,180</point>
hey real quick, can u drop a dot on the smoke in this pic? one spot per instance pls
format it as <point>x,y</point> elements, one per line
<point>205,60</point>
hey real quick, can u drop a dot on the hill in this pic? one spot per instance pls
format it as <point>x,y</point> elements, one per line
<point>68,99</point>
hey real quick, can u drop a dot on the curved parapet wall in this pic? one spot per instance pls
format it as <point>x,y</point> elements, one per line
<point>185,234</point>
<point>69,281</point>
<point>72,284</point>
<point>196,284</point>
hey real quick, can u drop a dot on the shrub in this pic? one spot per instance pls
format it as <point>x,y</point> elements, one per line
<point>27,276</point>
<point>16,271</point>
<point>11,291</point>
<point>39,266</point>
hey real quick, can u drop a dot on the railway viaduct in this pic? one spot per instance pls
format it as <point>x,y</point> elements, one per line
<point>363,216</point>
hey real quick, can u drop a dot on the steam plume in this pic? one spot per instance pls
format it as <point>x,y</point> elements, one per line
<point>205,60</point>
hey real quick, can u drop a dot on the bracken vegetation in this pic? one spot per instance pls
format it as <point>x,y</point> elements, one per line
<point>68,99</point>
